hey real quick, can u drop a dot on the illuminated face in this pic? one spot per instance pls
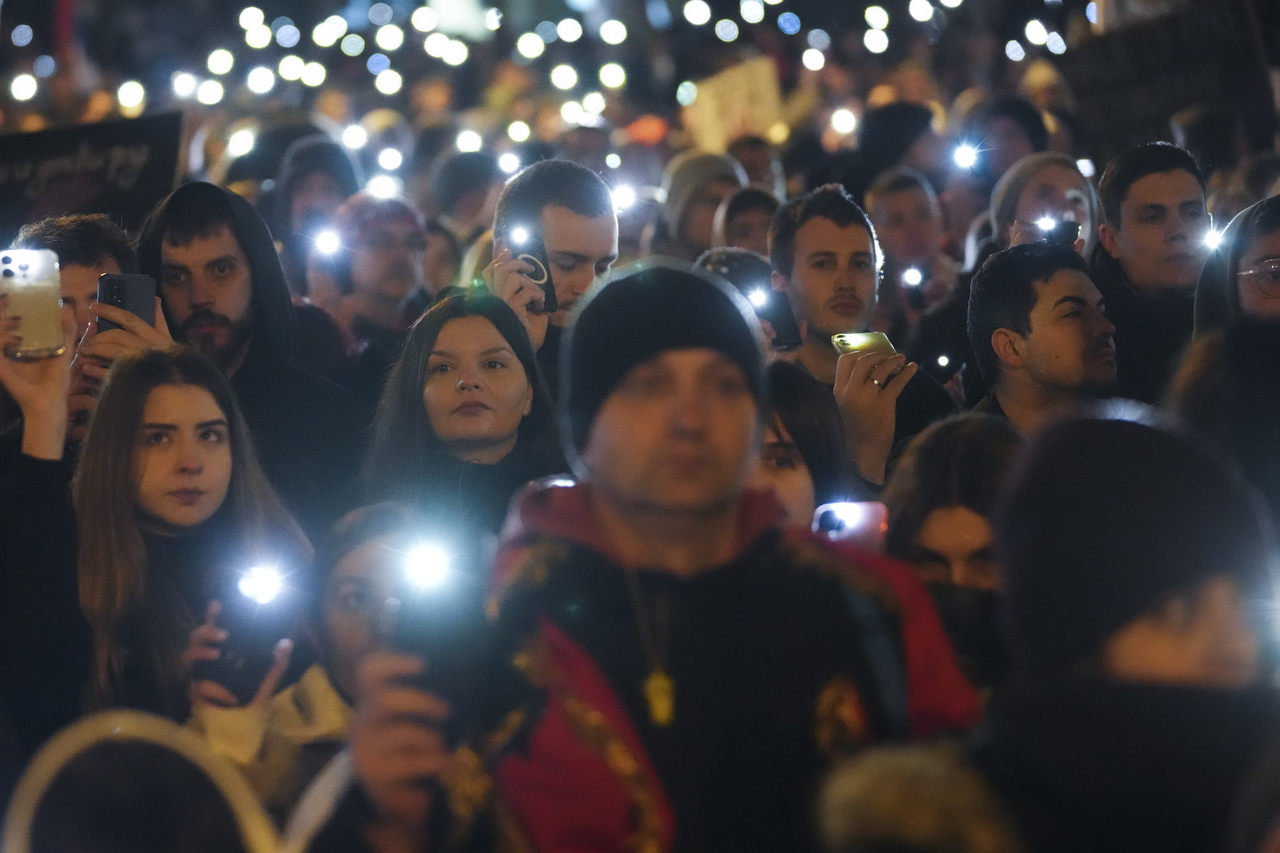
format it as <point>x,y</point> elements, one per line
<point>679,434</point>
<point>580,249</point>
<point>782,469</point>
<point>476,391</point>
<point>207,288</point>
<point>1054,192</point>
<point>1260,251</point>
<point>1070,346</point>
<point>1203,638</point>
<point>833,277</point>
<point>909,226</point>
<point>386,261</point>
<point>1160,241</point>
<point>356,619</point>
<point>80,288</point>
<point>954,545</point>
<point>182,459</point>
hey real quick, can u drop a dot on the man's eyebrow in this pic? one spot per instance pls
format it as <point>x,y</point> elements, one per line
<point>821,253</point>
<point>576,256</point>
<point>1074,300</point>
<point>781,445</point>
<point>1153,207</point>
<point>222,259</point>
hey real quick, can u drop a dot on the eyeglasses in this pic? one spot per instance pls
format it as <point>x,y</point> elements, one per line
<point>1265,276</point>
<point>383,241</point>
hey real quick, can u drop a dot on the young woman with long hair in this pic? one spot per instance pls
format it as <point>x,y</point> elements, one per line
<point>464,420</point>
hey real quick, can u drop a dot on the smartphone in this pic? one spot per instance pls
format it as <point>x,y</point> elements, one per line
<point>134,293</point>
<point>534,252</point>
<point>863,523</point>
<point>258,611</point>
<point>1063,232</point>
<point>863,342</point>
<point>439,616</point>
<point>30,279</point>
<point>774,307</point>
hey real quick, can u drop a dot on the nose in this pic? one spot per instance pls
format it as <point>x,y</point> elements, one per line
<point>468,380</point>
<point>189,459</point>
<point>201,292</point>
<point>689,414</point>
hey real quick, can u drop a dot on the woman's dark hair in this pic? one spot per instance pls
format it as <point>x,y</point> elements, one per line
<point>1218,291</point>
<point>112,557</point>
<point>808,412</point>
<point>961,461</point>
<point>405,449</point>
<point>1228,387</point>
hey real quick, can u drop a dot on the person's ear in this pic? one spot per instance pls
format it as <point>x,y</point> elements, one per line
<point>1109,237</point>
<point>1008,346</point>
<point>779,282</point>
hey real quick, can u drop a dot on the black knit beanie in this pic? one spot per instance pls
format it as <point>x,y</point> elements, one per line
<point>1105,520</point>
<point>645,309</point>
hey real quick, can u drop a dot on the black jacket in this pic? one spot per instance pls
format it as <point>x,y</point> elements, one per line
<point>1151,332</point>
<point>1103,766</point>
<point>308,432</point>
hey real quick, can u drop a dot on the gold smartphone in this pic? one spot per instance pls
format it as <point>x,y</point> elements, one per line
<point>30,279</point>
<point>863,342</point>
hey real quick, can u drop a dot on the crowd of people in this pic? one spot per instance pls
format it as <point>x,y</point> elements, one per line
<point>865,502</point>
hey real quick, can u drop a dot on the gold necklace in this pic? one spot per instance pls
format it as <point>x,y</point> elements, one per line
<point>659,688</point>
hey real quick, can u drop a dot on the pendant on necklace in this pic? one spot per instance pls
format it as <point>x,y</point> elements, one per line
<point>660,693</point>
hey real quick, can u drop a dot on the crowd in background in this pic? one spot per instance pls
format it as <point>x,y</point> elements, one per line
<point>896,479</point>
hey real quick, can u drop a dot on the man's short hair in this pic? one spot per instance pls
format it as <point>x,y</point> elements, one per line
<point>897,180</point>
<point>829,201</point>
<point>550,182</point>
<point>1003,293</point>
<point>80,239</point>
<point>461,173</point>
<point>1123,172</point>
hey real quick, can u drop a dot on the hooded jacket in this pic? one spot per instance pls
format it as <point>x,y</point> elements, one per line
<point>794,652</point>
<point>308,432</point>
<point>308,155</point>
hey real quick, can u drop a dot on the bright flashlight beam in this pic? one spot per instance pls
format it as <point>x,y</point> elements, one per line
<point>261,584</point>
<point>965,156</point>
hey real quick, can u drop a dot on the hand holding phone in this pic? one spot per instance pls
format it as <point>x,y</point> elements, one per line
<point>253,617</point>
<point>133,293</point>
<point>863,342</point>
<point>528,247</point>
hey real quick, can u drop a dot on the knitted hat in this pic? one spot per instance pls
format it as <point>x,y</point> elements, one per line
<point>1105,520</point>
<point>646,309</point>
<point>688,171</point>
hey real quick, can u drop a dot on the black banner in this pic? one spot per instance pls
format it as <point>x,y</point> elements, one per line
<point>1129,82</point>
<point>121,168</point>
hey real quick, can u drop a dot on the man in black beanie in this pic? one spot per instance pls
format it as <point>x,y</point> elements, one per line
<point>688,668</point>
<point>1135,562</point>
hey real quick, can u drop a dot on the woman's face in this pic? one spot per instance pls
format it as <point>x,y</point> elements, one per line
<point>476,392</point>
<point>1258,254</point>
<point>356,619</point>
<point>782,469</point>
<point>1055,192</point>
<point>954,545</point>
<point>182,458</point>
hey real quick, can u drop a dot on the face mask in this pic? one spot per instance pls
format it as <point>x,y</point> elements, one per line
<point>971,619</point>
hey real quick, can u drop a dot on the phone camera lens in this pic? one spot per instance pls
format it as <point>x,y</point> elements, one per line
<point>8,273</point>
<point>24,267</point>
<point>6,260</point>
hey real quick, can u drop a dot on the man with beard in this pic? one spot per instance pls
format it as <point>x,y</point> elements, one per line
<point>224,293</point>
<point>827,260</point>
<point>1039,328</point>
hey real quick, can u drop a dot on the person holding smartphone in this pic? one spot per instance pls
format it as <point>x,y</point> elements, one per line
<point>168,502</point>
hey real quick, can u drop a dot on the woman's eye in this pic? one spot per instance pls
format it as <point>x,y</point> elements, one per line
<point>214,436</point>
<point>781,461</point>
<point>439,368</point>
<point>155,438</point>
<point>495,364</point>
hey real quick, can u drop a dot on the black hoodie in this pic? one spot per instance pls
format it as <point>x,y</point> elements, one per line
<point>308,432</point>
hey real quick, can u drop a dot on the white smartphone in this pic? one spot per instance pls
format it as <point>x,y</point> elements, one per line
<point>30,279</point>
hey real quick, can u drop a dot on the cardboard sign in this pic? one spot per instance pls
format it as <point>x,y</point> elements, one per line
<point>739,100</point>
<point>121,168</point>
<point>1130,81</point>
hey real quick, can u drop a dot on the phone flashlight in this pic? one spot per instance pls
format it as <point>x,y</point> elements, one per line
<point>623,197</point>
<point>258,611</point>
<point>965,156</point>
<point>531,250</point>
<point>426,566</point>
<point>759,297</point>
<point>863,523</point>
<point>327,242</point>
<point>1213,239</point>
<point>912,277</point>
